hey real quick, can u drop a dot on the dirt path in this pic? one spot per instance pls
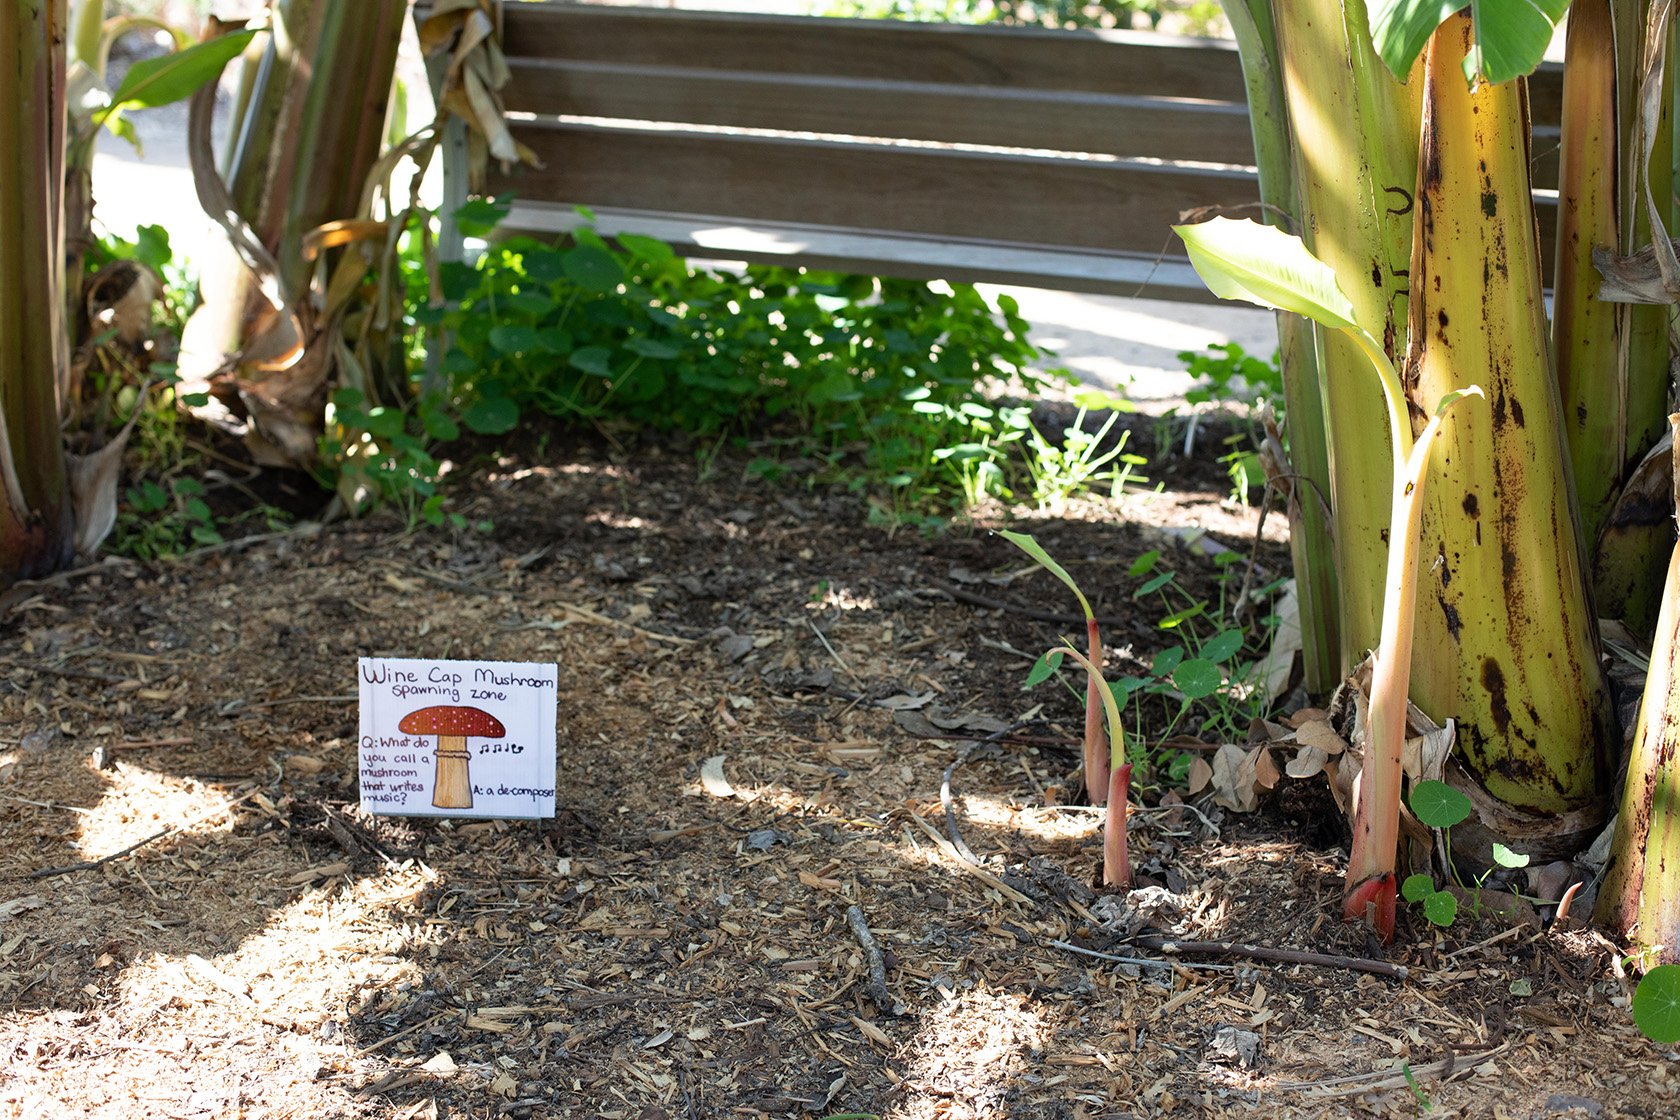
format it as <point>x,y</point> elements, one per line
<point>670,947</point>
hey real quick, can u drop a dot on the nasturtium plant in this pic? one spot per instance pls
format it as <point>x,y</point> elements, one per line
<point>1656,1004</point>
<point>1438,805</point>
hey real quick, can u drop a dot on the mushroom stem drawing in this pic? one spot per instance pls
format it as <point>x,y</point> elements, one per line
<point>452,783</point>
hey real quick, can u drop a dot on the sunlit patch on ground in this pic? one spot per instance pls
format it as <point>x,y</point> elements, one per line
<point>140,802</point>
<point>972,1051</point>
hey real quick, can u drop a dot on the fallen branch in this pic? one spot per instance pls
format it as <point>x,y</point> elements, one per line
<point>89,865</point>
<point>877,987</point>
<point>1146,962</point>
<point>1263,953</point>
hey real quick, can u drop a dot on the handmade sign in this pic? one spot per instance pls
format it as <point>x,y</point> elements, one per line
<point>457,738</point>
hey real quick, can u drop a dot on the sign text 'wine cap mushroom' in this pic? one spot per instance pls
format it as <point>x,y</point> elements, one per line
<point>449,719</point>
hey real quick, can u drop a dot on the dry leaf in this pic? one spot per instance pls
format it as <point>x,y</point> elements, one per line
<point>1309,761</point>
<point>1318,733</point>
<point>712,779</point>
<point>1265,770</point>
<point>1200,774</point>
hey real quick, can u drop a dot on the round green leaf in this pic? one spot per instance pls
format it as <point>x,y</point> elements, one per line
<point>514,338</point>
<point>530,303</point>
<point>1166,661</point>
<point>1505,857</point>
<point>1223,645</point>
<point>1416,888</point>
<point>1438,805</point>
<point>1656,1004</point>
<point>592,359</point>
<point>1440,908</point>
<point>593,269</point>
<point>491,416</point>
<point>646,248</point>
<point>648,348</point>
<point>1197,678</point>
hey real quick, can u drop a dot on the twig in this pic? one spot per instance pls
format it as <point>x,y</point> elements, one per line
<point>1263,953</point>
<point>156,836</point>
<point>47,804</point>
<point>945,788</point>
<point>148,743</point>
<point>384,1042</point>
<point>306,529</point>
<point>980,873</point>
<point>1148,962</point>
<point>584,612</point>
<point>838,660</point>
<point>1350,1084</point>
<point>1483,944</point>
<point>877,987</point>
<point>999,605</point>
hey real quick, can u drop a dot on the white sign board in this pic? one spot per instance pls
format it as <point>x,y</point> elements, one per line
<point>457,738</point>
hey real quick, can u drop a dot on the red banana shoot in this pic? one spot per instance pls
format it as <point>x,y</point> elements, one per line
<point>1117,872</point>
<point>1117,868</point>
<point>1370,891</point>
<point>1096,753</point>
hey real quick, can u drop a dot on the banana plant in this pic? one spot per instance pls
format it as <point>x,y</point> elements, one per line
<point>36,520</point>
<point>1507,641</point>
<point>1642,878</point>
<point>1242,260</point>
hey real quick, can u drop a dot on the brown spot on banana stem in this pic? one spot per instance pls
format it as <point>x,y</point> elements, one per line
<point>1493,679</point>
<point>1470,505</point>
<point>1451,613</point>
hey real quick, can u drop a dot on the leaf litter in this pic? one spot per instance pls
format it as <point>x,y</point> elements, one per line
<point>752,901</point>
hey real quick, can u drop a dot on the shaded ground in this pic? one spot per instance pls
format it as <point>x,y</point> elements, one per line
<point>662,950</point>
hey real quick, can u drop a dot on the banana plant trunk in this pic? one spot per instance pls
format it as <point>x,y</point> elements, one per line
<point>1640,897</point>
<point>311,131</point>
<point>1624,412</point>
<point>1310,531</point>
<point>1506,636</point>
<point>35,510</point>
<point>1355,132</point>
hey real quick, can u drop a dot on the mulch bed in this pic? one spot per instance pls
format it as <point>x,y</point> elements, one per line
<point>742,787</point>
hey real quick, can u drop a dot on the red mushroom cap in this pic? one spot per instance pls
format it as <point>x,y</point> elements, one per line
<point>446,719</point>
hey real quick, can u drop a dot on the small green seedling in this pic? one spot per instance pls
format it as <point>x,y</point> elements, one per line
<point>1438,805</point>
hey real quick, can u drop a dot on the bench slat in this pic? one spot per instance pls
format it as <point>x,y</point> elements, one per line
<point>1162,128</point>
<point>1139,63</point>
<point>1116,62</point>
<point>931,192</point>
<point>881,253</point>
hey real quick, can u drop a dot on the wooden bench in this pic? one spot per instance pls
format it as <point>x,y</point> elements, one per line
<point>1049,158</point>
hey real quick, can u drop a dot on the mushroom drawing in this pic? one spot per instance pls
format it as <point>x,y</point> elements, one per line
<point>452,787</point>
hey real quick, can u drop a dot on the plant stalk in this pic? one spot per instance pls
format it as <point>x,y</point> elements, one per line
<point>1506,638</point>
<point>1355,130</point>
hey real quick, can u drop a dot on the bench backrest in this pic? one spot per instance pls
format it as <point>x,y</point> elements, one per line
<point>1067,143</point>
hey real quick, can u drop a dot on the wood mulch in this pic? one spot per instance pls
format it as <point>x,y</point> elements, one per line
<point>739,665</point>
